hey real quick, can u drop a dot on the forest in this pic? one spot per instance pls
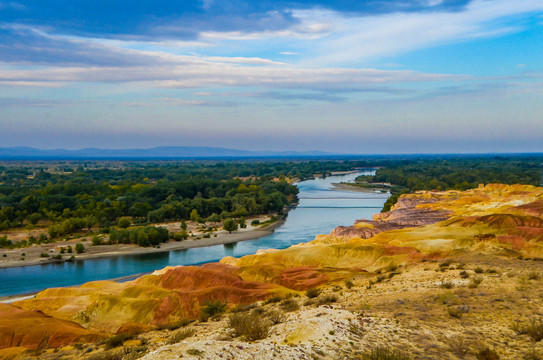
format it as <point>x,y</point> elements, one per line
<point>70,197</point>
<point>454,174</point>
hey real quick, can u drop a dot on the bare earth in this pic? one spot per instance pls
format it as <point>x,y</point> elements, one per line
<point>32,255</point>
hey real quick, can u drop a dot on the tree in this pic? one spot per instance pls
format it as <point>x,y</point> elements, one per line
<point>79,248</point>
<point>230,225</point>
<point>34,218</point>
<point>183,225</point>
<point>125,222</point>
<point>194,216</point>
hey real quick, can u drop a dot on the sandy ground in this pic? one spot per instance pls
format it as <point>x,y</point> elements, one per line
<point>32,255</point>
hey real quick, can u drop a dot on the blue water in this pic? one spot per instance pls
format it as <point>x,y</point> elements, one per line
<point>320,210</point>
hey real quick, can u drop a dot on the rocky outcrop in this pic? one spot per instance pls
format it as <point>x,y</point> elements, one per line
<point>499,219</point>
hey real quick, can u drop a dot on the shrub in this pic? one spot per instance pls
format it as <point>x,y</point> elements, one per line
<point>487,354</point>
<point>96,240</point>
<point>43,255</point>
<point>458,346</point>
<point>385,353</point>
<point>212,308</point>
<point>276,317</point>
<point>475,282</point>
<point>180,335</point>
<point>349,284</point>
<point>79,248</point>
<point>289,305</point>
<point>533,328</point>
<point>117,340</point>
<point>478,270</point>
<point>255,222</point>
<point>455,311</point>
<point>533,275</point>
<point>312,293</point>
<point>251,326</point>
<point>446,284</point>
<point>194,352</point>
<point>242,308</point>
<point>327,299</point>
<point>533,355</point>
<point>274,299</point>
<point>464,274</point>
<point>107,355</point>
<point>124,222</point>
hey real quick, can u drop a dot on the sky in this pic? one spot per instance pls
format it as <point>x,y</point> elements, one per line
<point>366,76</point>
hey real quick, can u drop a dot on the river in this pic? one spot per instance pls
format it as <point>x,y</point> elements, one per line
<point>319,211</point>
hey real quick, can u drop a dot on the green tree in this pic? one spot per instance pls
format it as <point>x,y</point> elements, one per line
<point>230,225</point>
<point>79,248</point>
<point>194,216</point>
<point>34,218</point>
<point>124,222</point>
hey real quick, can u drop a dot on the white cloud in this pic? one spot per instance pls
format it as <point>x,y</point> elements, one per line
<point>198,73</point>
<point>389,34</point>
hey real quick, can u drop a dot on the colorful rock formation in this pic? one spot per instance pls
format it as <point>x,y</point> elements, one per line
<point>498,219</point>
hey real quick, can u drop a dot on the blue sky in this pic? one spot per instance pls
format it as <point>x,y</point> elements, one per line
<point>396,76</point>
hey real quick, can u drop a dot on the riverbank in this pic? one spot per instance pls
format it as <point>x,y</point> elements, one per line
<point>103,251</point>
<point>32,255</point>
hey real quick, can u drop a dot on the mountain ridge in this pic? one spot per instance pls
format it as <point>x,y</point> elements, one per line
<point>154,152</point>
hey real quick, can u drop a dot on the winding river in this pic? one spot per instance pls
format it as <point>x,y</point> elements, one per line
<point>320,210</point>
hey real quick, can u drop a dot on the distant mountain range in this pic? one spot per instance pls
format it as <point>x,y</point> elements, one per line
<point>163,152</point>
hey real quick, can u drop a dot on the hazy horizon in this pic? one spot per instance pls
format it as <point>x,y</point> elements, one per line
<point>357,77</point>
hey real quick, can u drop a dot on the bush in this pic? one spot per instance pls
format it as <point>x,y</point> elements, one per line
<point>180,335</point>
<point>274,299</point>
<point>446,284</point>
<point>194,352</point>
<point>455,312</point>
<point>385,353</point>
<point>289,305</point>
<point>255,222</point>
<point>251,326</point>
<point>458,346</point>
<point>533,275</point>
<point>533,355</point>
<point>212,308</point>
<point>478,270</point>
<point>276,317</point>
<point>487,354</point>
<point>124,222</point>
<point>327,299</point>
<point>312,293</point>
<point>43,255</point>
<point>475,282</point>
<point>230,225</point>
<point>464,274</point>
<point>117,340</point>
<point>107,355</point>
<point>533,328</point>
<point>79,248</point>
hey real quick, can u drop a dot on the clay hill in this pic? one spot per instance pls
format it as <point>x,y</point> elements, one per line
<point>443,275</point>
